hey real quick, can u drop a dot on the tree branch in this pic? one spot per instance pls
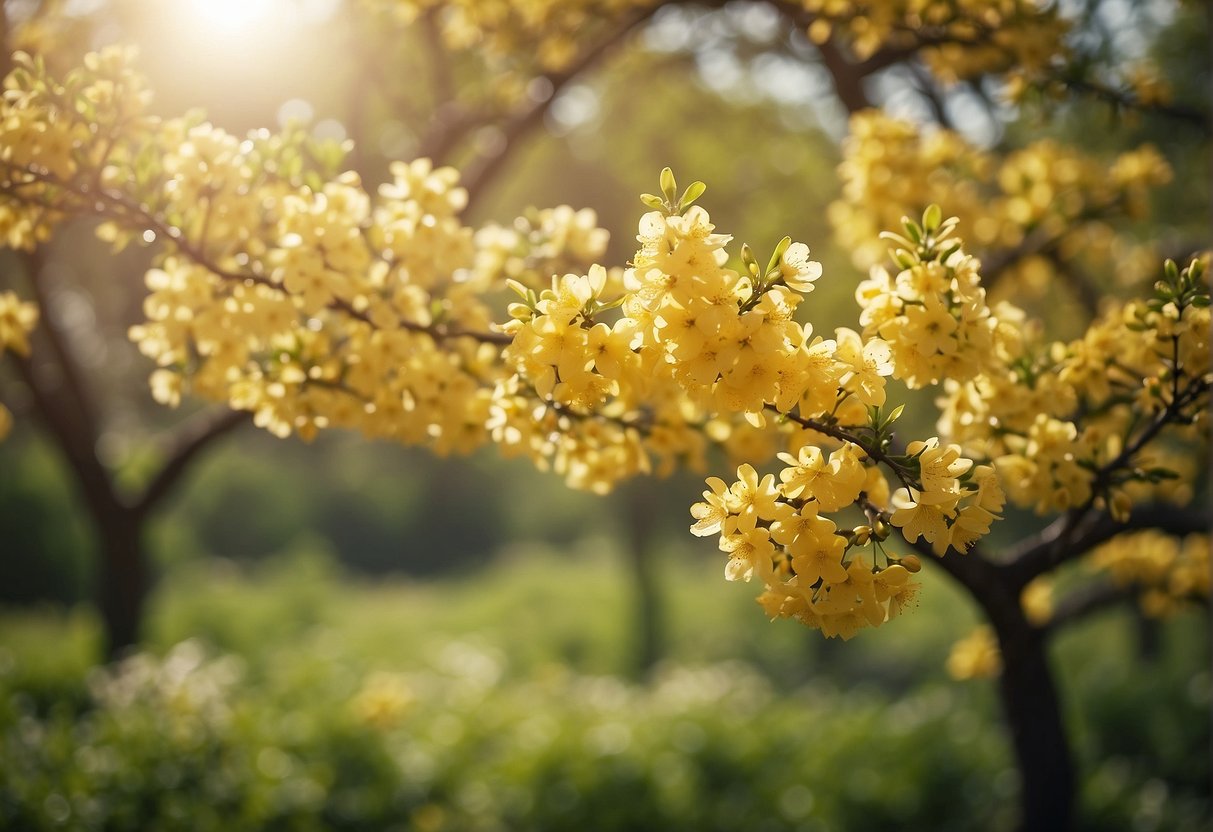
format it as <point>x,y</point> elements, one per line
<point>1086,600</point>
<point>183,447</point>
<point>1121,100</point>
<point>118,206</point>
<point>79,451</point>
<point>6,41</point>
<point>60,345</point>
<point>847,77</point>
<point>1066,538</point>
<point>480,173</point>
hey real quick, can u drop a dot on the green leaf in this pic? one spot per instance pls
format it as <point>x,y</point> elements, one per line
<point>654,202</point>
<point>669,187</point>
<point>692,193</point>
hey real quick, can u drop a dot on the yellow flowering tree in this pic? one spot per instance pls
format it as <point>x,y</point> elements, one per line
<point>285,286</point>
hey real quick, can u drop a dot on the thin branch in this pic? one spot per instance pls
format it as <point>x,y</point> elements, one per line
<point>1121,100</point>
<point>479,174</point>
<point>1078,281</point>
<point>183,447</point>
<point>1037,242</point>
<point>123,209</point>
<point>1086,600</point>
<point>847,76</point>
<point>926,87</point>
<point>842,434</point>
<point>444,83</point>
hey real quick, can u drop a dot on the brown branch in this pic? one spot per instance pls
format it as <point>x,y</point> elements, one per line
<point>1086,600</point>
<point>926,87</point>
<point>848,77</point>
<point>479,174</point>
<point>123,209</point>
<point>60,345</point>
<point>444,84</point>
<point>843,434</point>
<point>983,579</point>
<point>94,480</point>
<point>1078,281</point>
<point>1121,100</point>
<point>1067,538</point>
<point>6,41</point>
<point>183,448</point>
<point>1037,242</point>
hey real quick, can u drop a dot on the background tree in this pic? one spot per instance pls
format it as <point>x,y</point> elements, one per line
<point>284,290</point>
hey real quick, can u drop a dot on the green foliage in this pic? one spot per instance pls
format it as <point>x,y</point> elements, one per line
<point>193,739</point>
<point>490,702</point>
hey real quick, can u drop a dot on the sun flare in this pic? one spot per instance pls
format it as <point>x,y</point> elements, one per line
<point>230,16</point>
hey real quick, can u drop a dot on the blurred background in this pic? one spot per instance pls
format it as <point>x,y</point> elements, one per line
<point>356,635</point>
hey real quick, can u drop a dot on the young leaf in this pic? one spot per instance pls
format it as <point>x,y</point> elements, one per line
<point>668,186</point>
<point>692,193</point>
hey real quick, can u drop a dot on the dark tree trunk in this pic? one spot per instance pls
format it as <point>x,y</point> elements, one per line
<point>122,581</point>
<point>1033,714</point>
<point>1030,704</point>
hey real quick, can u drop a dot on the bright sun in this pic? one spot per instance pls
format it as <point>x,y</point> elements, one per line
<point>231,16</point>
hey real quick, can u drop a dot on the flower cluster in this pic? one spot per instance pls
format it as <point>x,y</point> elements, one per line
<point>933,314</point>
<point>511,32</point>
<point>539,244</point>
<point>976,656</point>
<point>1064,425</point>
<point>952,504</point>
<point>811,568</point>
<point>1045,207</point>
<point>1164,571</point>
<point>963,38</point>
<point>17,319</point>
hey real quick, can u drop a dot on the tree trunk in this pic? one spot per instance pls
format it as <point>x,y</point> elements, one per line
<point>647,624</point>
<point>1028,693</point>
<point>122,581</point>
<point>1033,714</point>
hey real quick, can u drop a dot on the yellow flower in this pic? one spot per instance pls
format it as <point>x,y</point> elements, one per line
<point>710,514</point>
<point>751,500</point>
<point>866,365</point>
<point>921,514</point>
<point>17,320</point>
<point>976,656</point>
<point>797,270</point>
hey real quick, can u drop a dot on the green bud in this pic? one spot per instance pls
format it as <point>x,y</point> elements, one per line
<point>931,218</point>
<point>669,187</point>
<point>773,263</point>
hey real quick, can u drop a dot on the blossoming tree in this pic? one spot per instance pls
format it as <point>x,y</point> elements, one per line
<point>286,287</point>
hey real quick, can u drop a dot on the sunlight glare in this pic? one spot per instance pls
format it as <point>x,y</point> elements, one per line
<point>231,16</point>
